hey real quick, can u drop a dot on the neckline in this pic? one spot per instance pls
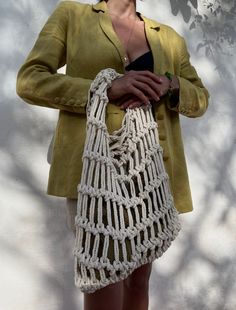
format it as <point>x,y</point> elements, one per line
<point>125,18</point>
<point>138,58</point>
<point>151,28</point>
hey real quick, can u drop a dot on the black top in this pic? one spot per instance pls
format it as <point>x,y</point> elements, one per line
<point>143,62</point>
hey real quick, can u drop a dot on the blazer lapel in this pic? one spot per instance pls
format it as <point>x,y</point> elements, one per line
<point>107,27</point>
<point>153,35</point>
<point>153,30</point>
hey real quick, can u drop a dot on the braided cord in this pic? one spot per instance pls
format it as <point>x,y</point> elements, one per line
<point>125,211</point>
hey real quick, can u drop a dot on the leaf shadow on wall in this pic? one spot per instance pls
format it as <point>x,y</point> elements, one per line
<point>167,289</point>
<point>24,128</point>
<point>211,147</point>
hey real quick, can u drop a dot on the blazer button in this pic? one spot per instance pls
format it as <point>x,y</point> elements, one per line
<point>57,99</point>
<point>164,154</point>
<point>162,136</point>
<point>165,157</point>
<point>160,116</point>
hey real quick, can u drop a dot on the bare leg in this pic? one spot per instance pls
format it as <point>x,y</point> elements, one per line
<point>136,286</point>
<point>131,293</point>
<point>107,298</point>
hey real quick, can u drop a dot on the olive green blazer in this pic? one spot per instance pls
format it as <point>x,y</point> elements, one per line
<point>82,37</point>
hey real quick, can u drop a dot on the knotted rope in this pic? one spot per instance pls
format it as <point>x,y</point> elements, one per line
<point>125,211</point>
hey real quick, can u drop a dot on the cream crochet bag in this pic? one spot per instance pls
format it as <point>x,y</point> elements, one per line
<point>125,212</point>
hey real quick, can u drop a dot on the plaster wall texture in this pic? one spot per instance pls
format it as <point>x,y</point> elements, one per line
<point>199,270</point>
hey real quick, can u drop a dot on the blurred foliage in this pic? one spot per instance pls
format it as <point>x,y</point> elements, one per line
<point>183,7</point>
<point>217,22</point>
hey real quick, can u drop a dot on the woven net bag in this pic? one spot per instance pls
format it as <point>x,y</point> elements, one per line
<point>125,211</point>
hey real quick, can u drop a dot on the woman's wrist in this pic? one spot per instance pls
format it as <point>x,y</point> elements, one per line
<point>173,90</point>
<point>174,84</point>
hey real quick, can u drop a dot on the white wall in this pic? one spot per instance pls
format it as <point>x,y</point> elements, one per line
<point>198,271</point>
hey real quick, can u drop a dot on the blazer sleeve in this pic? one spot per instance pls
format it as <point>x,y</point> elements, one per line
<point>38,82</point>
<point>193,96</point>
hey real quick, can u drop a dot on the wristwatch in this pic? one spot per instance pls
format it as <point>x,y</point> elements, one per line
<point>172,92</point>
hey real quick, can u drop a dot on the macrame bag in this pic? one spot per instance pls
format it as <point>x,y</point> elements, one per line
<point>125,211</point>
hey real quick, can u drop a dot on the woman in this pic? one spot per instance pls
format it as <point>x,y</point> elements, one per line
<point>155,64</point>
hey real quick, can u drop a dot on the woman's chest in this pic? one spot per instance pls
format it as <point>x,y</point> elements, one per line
<point>94,44</point>
<point>131,33</point>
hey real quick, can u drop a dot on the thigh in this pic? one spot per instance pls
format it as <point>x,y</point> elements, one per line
<point>140,276</point>
<point>106,298</point>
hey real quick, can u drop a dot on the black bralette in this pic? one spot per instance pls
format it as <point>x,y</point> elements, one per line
<point>143,62</point>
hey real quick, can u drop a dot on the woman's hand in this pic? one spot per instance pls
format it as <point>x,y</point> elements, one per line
<point>137,88</point>
<point>142,84</point>
<point>131,101</point>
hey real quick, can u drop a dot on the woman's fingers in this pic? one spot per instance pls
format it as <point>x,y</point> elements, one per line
<point>125,98</point>
<point>131,103</point>
<point>147,89</point>
<point>148,74</point>
<point>138,93</point>
<point>151,84</point>
<point>142,84</point>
